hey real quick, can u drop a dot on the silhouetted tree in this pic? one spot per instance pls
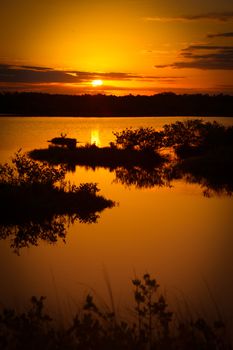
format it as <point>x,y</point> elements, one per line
<point>192,137</point>
<point>28,103</point>
<point>142,139</point>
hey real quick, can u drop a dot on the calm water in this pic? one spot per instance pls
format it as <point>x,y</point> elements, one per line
<point>181,237</point>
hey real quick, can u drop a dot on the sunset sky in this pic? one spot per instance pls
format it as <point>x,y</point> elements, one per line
<point>116,46</point>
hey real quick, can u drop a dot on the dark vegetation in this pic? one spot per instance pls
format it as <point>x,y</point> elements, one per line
<point>205,154</point>
<point>64,141</point>
<point>195,137</point>
<point>36,202</point>
<point>152,326</point>
<point>28,103</point>
<point>93,156</point>
<point>202,153</point>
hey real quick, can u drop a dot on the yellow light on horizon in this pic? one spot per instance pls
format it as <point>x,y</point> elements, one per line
<point>97,82</point>
<point>95,138</point>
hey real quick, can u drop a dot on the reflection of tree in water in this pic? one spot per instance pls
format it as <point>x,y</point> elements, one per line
<point>215,176</point>
<point>50,230</point>
<point>142,177</point>
<point>30,233</point>
<point>212,178</point>
<point>210,187</point>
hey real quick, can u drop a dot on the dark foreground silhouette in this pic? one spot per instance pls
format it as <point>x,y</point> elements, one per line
<point>36,203</point>
<point>151,326</point>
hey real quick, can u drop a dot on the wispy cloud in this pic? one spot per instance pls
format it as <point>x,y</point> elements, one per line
<point>204,57</point>
<point>29,74</point>
<point>221,35</point>
<point>211,16</point>
<point>42,75</point>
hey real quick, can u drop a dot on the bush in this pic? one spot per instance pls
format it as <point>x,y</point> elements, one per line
<point>38,204</point>
<point>27,172</point>
<point>141,139</point>
<point>193,137</point>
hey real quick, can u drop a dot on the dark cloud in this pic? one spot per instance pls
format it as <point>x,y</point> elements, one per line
<point>221,35</point>
<point>36,68</point>
<point>27,74</point>
<point>204,57</point>
<point>43,75</point>
<point>206,47</point>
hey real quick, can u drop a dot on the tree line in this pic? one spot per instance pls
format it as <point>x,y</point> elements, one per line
<point>32,103</point>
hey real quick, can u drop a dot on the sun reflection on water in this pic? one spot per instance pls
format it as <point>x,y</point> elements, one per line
<point>95,138</point>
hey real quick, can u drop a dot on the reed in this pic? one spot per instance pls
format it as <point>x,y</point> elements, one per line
<point>95,327</point>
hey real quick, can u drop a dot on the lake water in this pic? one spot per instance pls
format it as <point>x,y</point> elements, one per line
<point>177,234</point>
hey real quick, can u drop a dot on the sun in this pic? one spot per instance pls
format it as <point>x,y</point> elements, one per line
<point>97,82</point>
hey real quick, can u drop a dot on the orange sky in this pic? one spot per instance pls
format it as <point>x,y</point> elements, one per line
<point>132,46</point>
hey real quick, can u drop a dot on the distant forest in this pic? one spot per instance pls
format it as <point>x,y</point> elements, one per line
<point>164,104</point>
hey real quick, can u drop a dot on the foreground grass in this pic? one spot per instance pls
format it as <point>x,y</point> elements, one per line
<point>94,328</point>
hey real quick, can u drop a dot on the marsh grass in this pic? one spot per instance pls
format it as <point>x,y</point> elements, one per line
<point>95,327</point>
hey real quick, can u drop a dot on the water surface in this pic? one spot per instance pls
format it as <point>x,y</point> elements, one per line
<point>178,235</point>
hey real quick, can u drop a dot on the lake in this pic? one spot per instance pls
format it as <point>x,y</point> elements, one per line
<point>175,233</point>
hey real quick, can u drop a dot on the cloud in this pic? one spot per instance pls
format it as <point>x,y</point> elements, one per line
<point>44,75</point>
<point>221,35</point>
<point>211,16</point>
<point>206,47</point>
<point>28,74</point>
<point>35,68</point>
<point>205,57</point>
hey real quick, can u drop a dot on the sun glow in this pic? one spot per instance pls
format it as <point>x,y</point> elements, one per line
<point>95,139</point>
<point>97,82</point>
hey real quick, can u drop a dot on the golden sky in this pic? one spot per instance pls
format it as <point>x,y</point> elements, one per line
<point>128,46</point>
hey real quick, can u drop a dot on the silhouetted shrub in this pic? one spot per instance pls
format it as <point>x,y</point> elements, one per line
<point>99,328</point>
<point>142,139</point>
<point>93,156</point>
<point>38,204</point>
<point>194,137</point>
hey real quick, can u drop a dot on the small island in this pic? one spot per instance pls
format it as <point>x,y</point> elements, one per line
<point>38,204</point>
<point>197,151</point>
